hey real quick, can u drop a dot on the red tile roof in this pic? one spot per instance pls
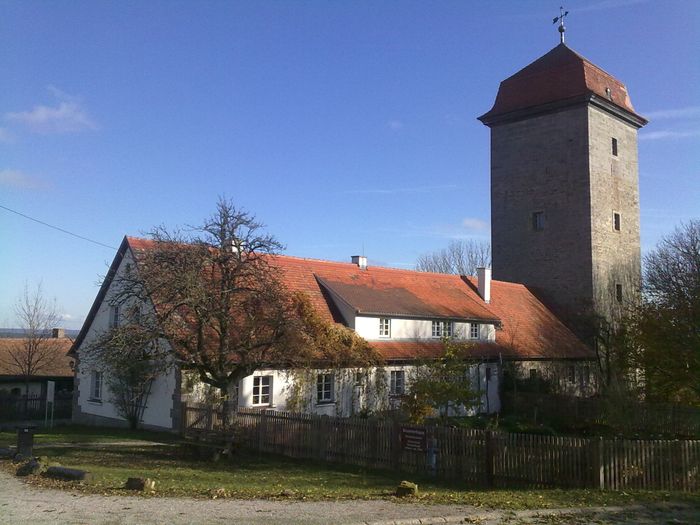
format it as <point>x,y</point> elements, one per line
<point>384,291</point>
<point>527,329</point>
<point>558,75</point>
<point>56,366</point>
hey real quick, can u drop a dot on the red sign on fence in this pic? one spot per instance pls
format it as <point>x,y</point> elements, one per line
<point>414,438</point>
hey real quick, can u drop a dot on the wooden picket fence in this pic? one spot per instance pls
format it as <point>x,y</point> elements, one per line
<point>15,408</point>
<point>477,457</point>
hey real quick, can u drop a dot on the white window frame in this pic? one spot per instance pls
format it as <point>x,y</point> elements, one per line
<point>442,329</point>
<point>397,382</point>
<point>114,316</point>
<point>259,387</point>
<point>96,382</point>
<point>384,327</point>
<point>325,389</point>
<point>474,330</point>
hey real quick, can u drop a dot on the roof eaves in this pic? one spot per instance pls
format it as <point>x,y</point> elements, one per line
<point>429,316</point>
<point>100,296</point>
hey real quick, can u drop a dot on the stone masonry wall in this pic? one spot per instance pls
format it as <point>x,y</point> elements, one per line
<point>541,164</point>
<point>615,189</point>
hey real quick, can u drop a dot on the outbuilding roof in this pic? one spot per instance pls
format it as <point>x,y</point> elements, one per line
<point>55,362</point>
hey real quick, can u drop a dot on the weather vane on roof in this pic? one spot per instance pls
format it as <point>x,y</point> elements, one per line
<point>560,19</point>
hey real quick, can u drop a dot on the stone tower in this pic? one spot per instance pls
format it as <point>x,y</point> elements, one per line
<point>565,185</point>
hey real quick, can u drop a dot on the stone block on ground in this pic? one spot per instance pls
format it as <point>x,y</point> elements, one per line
<point>67,474</point>
<point>140,484</point>
<point>406,488</point>
<point>6,453</point>
<point>30,467</point>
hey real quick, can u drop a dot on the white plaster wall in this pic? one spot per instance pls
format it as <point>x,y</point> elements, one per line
<point>159,403</point>
<point>368,327</point>
<point>352,397</point>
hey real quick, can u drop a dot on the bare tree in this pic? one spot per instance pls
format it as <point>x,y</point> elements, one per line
<point>461,257</point>
<point>38,351</point>
<point>216,296</point>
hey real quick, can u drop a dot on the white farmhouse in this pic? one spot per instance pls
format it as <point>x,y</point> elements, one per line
<point>403,314</point>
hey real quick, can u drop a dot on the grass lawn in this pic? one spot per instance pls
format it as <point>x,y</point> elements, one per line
<point>88,434</point>
<point>178,473</point>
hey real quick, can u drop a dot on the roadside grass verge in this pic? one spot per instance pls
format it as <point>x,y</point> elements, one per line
<point>251,476</point>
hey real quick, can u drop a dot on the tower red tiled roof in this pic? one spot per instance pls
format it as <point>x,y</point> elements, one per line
<point>559,75</point>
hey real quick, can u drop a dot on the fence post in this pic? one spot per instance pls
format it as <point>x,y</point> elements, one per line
<point>262,430</point>
<point>597,463</point>
<point>323,437</point>
<point>489,457</point>
<point>395,445</point>
<point>210,418</point>
<point>183,418</point>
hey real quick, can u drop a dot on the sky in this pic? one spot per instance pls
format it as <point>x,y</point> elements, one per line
<point>346,127</point>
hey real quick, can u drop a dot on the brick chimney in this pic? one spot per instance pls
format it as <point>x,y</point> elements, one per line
<point>58,333</point>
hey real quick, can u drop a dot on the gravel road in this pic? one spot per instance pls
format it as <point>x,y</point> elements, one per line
<point>24,504</point>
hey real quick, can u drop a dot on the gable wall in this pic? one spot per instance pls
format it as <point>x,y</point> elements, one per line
<point>158,411</point>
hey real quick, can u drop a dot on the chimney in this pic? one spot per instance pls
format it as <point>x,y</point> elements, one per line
<point>483,283</point>
<point>58,333</point>
<point>359,260</point>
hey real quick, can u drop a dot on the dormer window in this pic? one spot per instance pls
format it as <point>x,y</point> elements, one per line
<point>384,327</point>
<point>442,329</point>
<point>474,331</point>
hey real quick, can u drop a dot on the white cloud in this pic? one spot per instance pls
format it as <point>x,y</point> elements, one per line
<point>468,228</point>
<point>668,134</point>
<point>474,224</point>
<point>19,180</point>
<point>67,317</point>
<point>395,125</point>
<point>679,113</point>
<point>68,116</point>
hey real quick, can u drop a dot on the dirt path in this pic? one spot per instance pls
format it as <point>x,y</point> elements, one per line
<point>23,504</point>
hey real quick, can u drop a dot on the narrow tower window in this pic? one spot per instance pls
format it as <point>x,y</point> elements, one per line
<point>616,221</point>
<point>538,221</point>
<point>618,293</point>
<point>614,147</point>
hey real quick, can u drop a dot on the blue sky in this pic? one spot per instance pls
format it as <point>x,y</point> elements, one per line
<point>343,125</point>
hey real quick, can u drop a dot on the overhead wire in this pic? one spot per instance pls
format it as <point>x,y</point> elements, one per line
<point>57,228</point>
